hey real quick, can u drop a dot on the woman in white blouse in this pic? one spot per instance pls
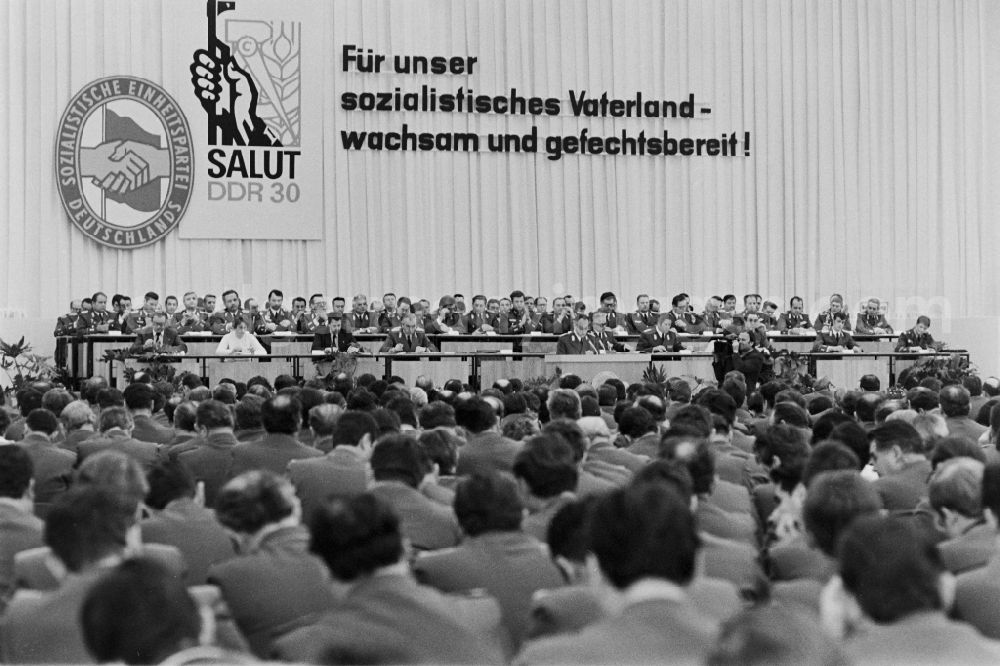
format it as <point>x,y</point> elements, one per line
<point>239,341</point>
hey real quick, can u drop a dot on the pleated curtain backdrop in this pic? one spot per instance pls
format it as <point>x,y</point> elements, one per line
<point>873,165</point>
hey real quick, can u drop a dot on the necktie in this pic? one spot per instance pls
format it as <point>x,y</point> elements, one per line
<point>158,341</point>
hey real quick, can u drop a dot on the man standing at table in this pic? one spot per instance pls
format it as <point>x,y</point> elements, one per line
<point>872,321</point>
<point>408,339</point>
<point>222,322</point>
<point>579,340</point>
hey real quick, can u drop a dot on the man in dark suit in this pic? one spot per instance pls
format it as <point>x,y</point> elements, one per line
<point>399,465</point>
<point>578,341</point>
<point>209,456</point>
<point>659,338</point>
<point>181,520</point>
<point>903,469</point>
<point>334,338</point>
<point>158,338</point>
<point>495,555</point>
<point>53,466</point>
<point>486,449</point>
<point>955,492</point>
<point>835,339</point>
<point>344,470</point>
<point>140,398</point>
<point>87,532</point>
<point>955,408</point>
<point>116,434</point>
<point>646,544</point>
<point>548,474</point>
<point>275,582</point>
<point>19,528</point>
<point>889,572</point>
<point>386,617</point>
<point>282,418</point>
<point>408,339</point>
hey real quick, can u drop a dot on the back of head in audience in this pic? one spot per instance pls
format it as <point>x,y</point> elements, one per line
<point>281,414</point>
<point>356,537</point>
<point>139,613</point>
<point>836,499</point>
<point>644,531</point>
<point>399,458</point>
<point>16,472</point>
<point>827,457</point>
<point>475,415</point>
<point>441,446</point>
<point>88,524</point>
<point>169,480</point>
<point>955,492</point>
<point>255,500</point>
<point>775,635</point>
<point>547,466</point>
<point>890,568</point>
<point>784,451</point>
<point>488,503</point>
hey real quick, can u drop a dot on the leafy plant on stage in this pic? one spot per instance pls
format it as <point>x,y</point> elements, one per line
<point>948,369</point>
<point>148,363</point>
<point>655,375</point>
<point>23,366</point>
<point>792,368</point>
<point>340,363</point>
<point>544,382</point>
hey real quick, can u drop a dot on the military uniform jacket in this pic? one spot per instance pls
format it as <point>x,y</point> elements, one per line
<point>825,320</point>
<point>188,322</point>
<point>88,322</point>
<point>833,339</point>
<point>866,324</point>
<point>474,322</point>
<point>281,318</point>
<point>911,338</point>
<point>570,343</point>
<point>637,322</point>
<point>410,343</point>
<point>790,320</point>
<point>653,338</point>
<point>693,323</point>
<point>512,325</point>
<point>605,342</point>
<point>359,321</point>
<point>550,324</point>
<point>218,321</point>
<point>66,324</point>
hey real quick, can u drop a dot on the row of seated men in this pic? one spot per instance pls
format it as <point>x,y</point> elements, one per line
<point>515,314</point>
<point>362,521</point>
<point>579,332</point>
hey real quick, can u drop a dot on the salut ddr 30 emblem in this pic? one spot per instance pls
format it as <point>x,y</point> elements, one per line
<point>124,162</point>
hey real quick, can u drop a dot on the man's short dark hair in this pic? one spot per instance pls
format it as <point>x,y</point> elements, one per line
<point>947,448</point>
<point>437,414</point>
<point>696,454</point>
<point>563,403</point>
<point>91,387</point>
<point>835,499</point>
<point>737,390</point>
<point>323,419</point>
<point>718,402</point>
<point>653,404</point>
<point>42,420</point>
<point>356,536</point>
<point>854,437</point>
<point>791,414</point>
<point>404,409</point>
<point>213,414</point>
<point>185,416</point>
<point>870,383</point>
<point>607,395</point>
<point>488,502</point>
<point>475,415</point>
<point>361,399</point>
<point>890,567</point>
<point>571,433</point>
<point>827,457</point>
<point>636,422</point>
<point>922,399</point>
<point>139,396</point>
<point>169,480</point>
<point>248,412</point>
<point>86,524</point>
<point>786,445</point>
<point>55,400</point>
<point>693,419</point>
<point>352,426</point>
<point>399,458</point>
<point>16,470</point>
<point>547,465</point>
<point>954,400</point>
<point>138,613</point>
<point>957,484</point>
<point>253,500</point>
<point>441,447</point>
<point>281,414</point>
<point>897,433</point>
<point>644,531</point>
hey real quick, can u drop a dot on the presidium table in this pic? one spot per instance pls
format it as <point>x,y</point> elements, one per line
<point>476,359</point>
